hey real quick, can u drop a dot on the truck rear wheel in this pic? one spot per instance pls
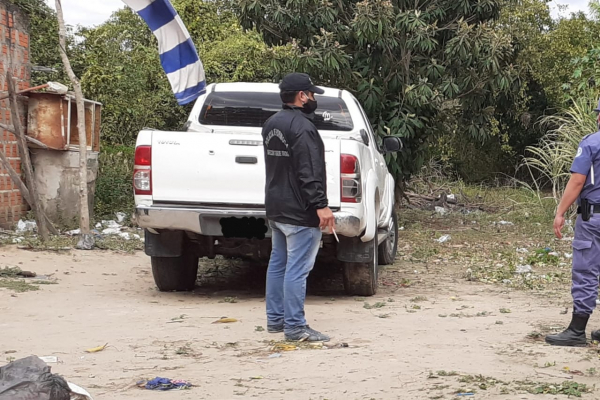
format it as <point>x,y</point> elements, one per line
<point>361,279</point>
<point>389,247</point>
<point>175,274</point>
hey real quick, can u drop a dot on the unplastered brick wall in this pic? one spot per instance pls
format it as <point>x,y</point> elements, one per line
<point>14,55</point>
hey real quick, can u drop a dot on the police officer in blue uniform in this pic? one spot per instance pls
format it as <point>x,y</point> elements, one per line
<point>583,187</point>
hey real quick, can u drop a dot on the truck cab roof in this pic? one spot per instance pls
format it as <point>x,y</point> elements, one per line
<point>265,88</point>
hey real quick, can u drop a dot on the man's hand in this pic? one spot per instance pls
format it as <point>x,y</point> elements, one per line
<point>327,220</point>
<point>559,223</point>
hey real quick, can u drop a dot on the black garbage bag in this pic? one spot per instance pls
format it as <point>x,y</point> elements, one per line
<point>30,379</point>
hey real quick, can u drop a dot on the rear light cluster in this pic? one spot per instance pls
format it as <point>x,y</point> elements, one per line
<point>142,171</point>
<point>350,178</point>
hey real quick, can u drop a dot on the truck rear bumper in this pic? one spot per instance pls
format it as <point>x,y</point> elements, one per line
<point>206,221</point>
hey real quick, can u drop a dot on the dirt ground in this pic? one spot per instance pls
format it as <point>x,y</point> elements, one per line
<point>428,334</point>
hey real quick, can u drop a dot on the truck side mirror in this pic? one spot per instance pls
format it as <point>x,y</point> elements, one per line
<point>391,144</point>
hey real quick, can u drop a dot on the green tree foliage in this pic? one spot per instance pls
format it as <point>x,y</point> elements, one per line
<point>43,43</point>
<point>570,38</point>
<point>411,64</point>
<point>123,70</point>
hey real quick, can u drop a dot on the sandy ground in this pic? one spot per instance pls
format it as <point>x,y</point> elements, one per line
<point>394,352</point>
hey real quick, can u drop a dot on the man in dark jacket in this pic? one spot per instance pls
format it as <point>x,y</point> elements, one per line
<point>296,205</point>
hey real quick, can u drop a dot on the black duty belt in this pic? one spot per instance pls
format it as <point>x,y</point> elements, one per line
<point>587,209</point>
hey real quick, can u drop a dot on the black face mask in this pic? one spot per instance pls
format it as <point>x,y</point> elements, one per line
<point>310,106</point>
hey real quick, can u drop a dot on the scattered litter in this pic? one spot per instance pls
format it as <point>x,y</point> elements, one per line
<point>125,235</point>
<point>110,224</point>
<point>440,210</point>
<point>111,231</point>
<point>98,225</point>
<point>401,228</point>
<point>29,378</point>
<point>506,281</point>
<point>523,269</point>
<point>505,223</point>
<point>284,347</point>
<point>79,393</point>
<point>568,255</point>
<point>96,349</point>
<point>451,197</point>
<point>18,240</point>
<point>86,242</point>
<point>275,355</point>
<point>164,384</point>
<point>49,359</point>
<point>225,320</point>
<point>522,251</point>
<point>74,232</point>
<point>443,239</point>
<point>553,253</point>
<point>26,226</point>
<point>336,345</point>
<point>120,217</point>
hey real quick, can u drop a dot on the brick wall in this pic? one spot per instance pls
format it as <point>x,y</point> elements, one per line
<point>14,45</point>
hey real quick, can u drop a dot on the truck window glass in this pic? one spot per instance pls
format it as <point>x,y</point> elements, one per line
<point>252,109</point>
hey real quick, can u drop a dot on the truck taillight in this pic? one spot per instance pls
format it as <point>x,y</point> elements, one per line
<point>350,179</point>
<point>142,171</point>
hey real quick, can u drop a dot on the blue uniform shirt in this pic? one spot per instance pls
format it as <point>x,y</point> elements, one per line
<point>587,162</point>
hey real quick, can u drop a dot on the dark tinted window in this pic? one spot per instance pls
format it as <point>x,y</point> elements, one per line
<point>253,109</point>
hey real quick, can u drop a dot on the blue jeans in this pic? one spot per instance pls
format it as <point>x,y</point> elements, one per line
<point>293,256</point>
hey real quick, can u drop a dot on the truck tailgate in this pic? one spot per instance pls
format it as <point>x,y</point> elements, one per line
<point>221,168</point>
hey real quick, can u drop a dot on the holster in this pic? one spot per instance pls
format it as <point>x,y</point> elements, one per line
<point>586,209</point>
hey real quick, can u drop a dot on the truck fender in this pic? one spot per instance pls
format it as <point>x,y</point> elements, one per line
<point>370,207</point>
<point>389,204</point>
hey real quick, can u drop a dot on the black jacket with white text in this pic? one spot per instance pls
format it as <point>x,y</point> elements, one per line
<point>296,181</point>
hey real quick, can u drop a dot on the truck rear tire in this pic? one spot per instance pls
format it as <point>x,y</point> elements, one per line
<point>361,279</point>
<point>389,247</point>
<point>175,274</point>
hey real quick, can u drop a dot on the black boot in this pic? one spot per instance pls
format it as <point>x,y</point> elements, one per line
<point>574,335</point>
<point>596,335</point>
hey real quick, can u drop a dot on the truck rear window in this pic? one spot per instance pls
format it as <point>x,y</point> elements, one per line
<point>252,109</point>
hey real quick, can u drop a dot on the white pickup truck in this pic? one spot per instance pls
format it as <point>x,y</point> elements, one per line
<point>200,192</point>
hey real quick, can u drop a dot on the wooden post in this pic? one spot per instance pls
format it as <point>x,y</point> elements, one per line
<point>25,159</point>
<point>86,241</point>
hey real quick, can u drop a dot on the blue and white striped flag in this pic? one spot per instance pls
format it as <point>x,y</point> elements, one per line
<point>178,54</point>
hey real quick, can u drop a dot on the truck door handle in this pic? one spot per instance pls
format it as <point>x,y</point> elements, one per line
<point>246,160</point>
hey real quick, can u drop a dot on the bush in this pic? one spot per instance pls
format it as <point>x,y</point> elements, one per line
<point>114,189</point>
<point>550,161</point>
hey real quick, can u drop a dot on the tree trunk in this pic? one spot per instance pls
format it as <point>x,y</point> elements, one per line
<point>84,220</point>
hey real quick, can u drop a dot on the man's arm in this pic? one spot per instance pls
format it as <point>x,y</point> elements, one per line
<point>309,164</point>
<point>571,193</point>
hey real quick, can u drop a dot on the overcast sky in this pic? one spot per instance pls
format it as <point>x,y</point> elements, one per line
<point>89,13</point>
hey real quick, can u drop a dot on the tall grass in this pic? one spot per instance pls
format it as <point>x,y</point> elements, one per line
<point>550,161</point>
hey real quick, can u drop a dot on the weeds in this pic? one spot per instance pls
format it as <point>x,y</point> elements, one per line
<point>10,272</point>
<point>373,306</point>
<point>568,388</point>
<point>18,286</point>
<point>229,300</point>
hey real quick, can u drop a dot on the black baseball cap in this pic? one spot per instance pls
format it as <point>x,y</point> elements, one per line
<point>297,82</point>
